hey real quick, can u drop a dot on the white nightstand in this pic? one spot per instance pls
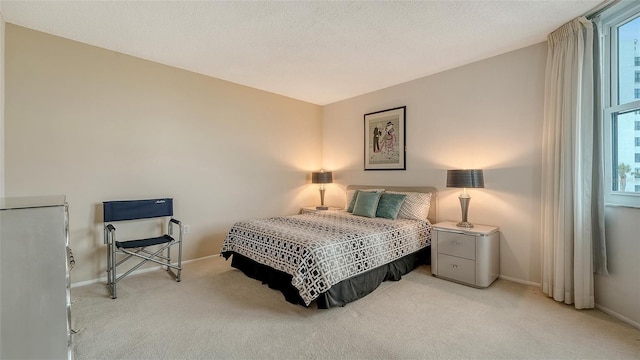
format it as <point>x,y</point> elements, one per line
<point>469,256</point>
<point>312,209</point>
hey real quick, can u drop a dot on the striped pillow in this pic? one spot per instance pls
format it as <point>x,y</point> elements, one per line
<point>415,206</point>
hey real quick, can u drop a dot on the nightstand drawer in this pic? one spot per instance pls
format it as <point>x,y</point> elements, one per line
<point>456,268</point>
<point>455,244</point>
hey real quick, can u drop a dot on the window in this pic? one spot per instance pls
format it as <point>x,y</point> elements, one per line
<point>622,151</point>
<point>624,38</point>
<point>621,34</point>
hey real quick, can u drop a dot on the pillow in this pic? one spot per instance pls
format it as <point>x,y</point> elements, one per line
<point>389,205</point>
<point>415,206</point>
<point>351,200</point>
<point>352,195</point>
<point>366,203</point>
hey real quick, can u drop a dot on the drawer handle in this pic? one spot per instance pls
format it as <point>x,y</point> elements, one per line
<point>456,243</point>
<point>454,266</point>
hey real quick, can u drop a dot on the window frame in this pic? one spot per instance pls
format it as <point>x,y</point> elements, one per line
<point>609,23</point>
<point>612,21</point>
<point>614,197</point>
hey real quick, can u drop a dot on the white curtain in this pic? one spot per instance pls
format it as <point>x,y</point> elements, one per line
<point>572,205</point>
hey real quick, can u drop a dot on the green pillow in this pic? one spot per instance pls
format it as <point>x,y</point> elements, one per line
<point>366,204</point>
<point>352,201</point>
<point>389,205</point>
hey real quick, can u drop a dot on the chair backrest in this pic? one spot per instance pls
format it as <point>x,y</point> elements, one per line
<point>137,209</point>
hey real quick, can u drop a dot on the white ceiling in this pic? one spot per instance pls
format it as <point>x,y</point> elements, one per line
<point>316,51</point>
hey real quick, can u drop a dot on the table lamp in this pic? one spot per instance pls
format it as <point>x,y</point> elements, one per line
<point>465,179</point>
<point>322,177</point>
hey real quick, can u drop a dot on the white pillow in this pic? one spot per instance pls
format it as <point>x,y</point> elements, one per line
<point>351,193</point>
<point>415,206</point>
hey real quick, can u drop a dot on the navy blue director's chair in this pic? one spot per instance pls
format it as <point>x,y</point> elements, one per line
<point>120,251</point>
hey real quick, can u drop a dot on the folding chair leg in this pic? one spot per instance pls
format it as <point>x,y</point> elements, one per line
<point>178,279</point>
<point>109,265</point>
<point>113,272</point>
<point>168,258</point>
<point>179,269</point>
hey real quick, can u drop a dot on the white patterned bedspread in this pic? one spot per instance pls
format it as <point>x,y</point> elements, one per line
<point>321,249</point>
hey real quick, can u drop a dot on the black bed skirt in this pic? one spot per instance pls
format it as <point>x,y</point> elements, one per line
<point>340,294</point>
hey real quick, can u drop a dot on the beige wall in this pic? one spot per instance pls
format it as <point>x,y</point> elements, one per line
<point>98,125</point>
<point>1,103</point>
<point>484,115</point>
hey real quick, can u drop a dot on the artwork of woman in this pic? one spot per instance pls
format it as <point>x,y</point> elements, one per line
<point>376,140</point>
<point>384,139</point>
<point>389,139</point>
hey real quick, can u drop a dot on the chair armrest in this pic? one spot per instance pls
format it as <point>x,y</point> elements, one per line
<point>177,222</point>
<point>109,231</point>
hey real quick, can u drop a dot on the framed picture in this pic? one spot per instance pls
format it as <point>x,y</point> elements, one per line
<point>384,140</point>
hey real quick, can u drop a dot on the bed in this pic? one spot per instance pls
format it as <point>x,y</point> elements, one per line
<point>331,258</point>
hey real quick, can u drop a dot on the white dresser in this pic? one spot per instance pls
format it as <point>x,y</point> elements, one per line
<point>34,278</point>
<point>470,256</point>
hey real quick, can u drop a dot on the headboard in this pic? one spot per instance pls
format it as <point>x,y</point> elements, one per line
<point>433,209</point>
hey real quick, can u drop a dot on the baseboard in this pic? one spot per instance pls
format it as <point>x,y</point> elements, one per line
<point>141,271</point>
<point>618,316</point>
<point>520,281</point>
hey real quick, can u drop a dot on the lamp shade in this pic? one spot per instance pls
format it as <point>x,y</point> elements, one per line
<point>322,177</point>
<point>473,178</point>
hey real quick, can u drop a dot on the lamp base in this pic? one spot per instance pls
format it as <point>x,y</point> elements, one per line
<point>464,224</point>
<point>464,204</point>
<point>322,207</point>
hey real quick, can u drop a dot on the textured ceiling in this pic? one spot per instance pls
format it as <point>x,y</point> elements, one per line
<point>320,52</point>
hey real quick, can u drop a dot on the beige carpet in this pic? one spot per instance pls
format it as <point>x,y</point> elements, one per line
<point>216,312</point>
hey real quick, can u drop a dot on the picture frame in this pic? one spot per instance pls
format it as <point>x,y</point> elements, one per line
<point>385,139</point>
